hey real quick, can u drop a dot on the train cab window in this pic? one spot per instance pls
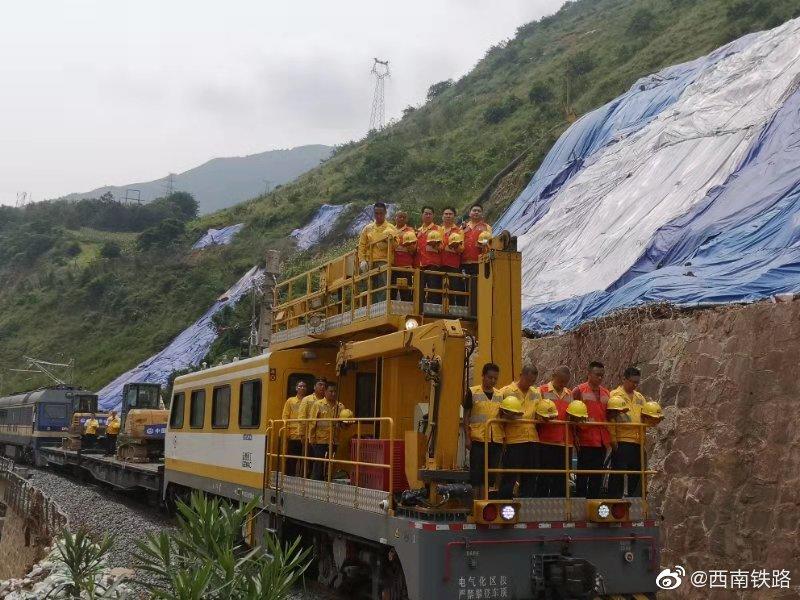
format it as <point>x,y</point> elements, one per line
<point>197,409</point>
<point>176,416</point>
<point>250,403</point>
<point>221,407</point>
<point>294,378</point>
<point>3,415</point>
<point>54,412</point>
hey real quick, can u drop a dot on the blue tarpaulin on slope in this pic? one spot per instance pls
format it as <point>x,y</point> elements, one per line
<point>218,237</point>
<point>186,350</point>
<point>739,240</point>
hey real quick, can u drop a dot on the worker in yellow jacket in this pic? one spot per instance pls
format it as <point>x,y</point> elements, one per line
<point>294,430</point>
<point>90,428</point>
<point>373,249</point>
<point>482,404</point>
<point>323,431</point>
<point>521,439</point>
<point>112,431</point>
<point>625,411</point>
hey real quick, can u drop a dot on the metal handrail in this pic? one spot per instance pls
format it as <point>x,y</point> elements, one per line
<point>281,453</point>
<point>643,472</point>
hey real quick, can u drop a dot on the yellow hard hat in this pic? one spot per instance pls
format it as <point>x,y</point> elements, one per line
<point>454,239</point>
<point>346,414</point>
<point>547,408</point>
<point>484,238</point>
<point>617,403</point>
<point>434,236</point>
<point>409,237</point>
<point>577,408</point>
<point>652,409</point>
<point>512,404</point>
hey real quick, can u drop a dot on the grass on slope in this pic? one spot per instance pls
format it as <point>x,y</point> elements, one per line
<point>111,313</point>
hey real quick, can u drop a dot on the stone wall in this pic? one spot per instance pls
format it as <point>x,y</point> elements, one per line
<point>729,447</point>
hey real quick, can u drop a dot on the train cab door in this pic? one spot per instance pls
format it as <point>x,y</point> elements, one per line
<point>360,391</point>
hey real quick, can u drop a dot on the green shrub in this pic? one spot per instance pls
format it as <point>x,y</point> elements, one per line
<point>540,93</point>
<point>110,249</point>
<point>499,111</point>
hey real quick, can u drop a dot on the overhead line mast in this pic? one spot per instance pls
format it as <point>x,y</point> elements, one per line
<point>380,70</point>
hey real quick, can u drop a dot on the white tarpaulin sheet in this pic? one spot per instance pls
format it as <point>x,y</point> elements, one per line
<point>218,237</point>
<point>319,227</point>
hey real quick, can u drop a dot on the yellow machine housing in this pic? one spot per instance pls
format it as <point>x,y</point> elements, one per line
<point>144,423</point>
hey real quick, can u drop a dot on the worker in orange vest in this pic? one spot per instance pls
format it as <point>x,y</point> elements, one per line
<point>452,248</point>
<point>553,436</point>
<point>472,230</point>
<point>429,254</point>
<point>594,441</point>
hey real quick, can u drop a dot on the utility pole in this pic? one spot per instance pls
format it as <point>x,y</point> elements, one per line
<point>267,186</point>
<point>380,70</point>
<point>132,195</point>
<point>271,272</point>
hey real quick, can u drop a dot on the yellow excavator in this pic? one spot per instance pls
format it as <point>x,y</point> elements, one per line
<point>144,423</point>
<point>84,405</point>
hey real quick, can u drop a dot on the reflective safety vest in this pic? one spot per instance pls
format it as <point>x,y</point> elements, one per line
<point>291,410</point>
<point>553,433</point>
<point>593,436</point>
<point>112,427</point>
<point>427,256</point>
<point>518,433</point>
<point>451,258</point>
<point>628,433</point>
<point>90,428</point>
<point>319,429</point>
<point>471,233</point>
<point>402,257</point>
<point>373,243</point>
<point>484,409</point>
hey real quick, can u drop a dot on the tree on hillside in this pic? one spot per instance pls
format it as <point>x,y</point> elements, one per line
<point>178,205</point>
<point>437,88</point>
<point>110,249</point>
<point>162,235</point>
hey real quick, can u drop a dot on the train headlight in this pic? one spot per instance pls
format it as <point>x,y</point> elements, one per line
<point>412,323</point>
<point>608,511</point>
<point>508,512</point>
<point>603,511</point>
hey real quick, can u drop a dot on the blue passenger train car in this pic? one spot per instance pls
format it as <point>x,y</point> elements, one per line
<point>30,420</point>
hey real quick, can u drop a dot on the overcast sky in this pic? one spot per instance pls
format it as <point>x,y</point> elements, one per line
<point>104,92</point>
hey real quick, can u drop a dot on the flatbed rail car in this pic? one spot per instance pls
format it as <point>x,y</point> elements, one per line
<point>30,421</point>
<point>394,517</point>
<point>122,475</point>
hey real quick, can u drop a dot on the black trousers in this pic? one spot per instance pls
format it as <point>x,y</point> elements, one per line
<point>320,469</point>
<point>89,441</point>
<point>295,448</point>
<point>476,460</point>
<point>627,457</point>
<point>111,444</point>
<point>431,280</point>
<point>590,486</point>
<point>551,456</point>
<point>520,456</point>
<point>470,268</point>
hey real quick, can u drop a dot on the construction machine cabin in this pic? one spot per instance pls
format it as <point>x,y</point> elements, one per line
<point>393,513</point>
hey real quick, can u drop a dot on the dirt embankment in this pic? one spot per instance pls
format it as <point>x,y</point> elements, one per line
<point>729,447</point>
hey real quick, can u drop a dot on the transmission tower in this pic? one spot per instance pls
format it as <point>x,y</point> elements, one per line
<point>169,184</point>
<point>380,70</point>
<point>23,198</point>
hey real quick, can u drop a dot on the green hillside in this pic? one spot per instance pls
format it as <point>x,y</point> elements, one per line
<point>110,295</point>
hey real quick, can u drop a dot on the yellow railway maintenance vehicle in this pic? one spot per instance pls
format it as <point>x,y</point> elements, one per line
<point>144,423</point>
<point>394,516</point>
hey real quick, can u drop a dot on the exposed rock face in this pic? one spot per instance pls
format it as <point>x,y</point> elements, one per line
<point>729,447</point>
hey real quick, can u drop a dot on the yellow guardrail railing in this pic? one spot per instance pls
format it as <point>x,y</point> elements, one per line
<point>277,455</point>
<point>570,433</point>
<point>339,287</point>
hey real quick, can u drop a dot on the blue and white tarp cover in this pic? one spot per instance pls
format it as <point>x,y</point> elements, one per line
<point>186,350</point>
<point>218,237</point>
<point>324,220</point>
<point>685,189</point>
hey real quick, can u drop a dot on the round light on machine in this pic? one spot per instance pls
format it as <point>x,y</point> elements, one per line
<point>508,512</point>
<point>411,323</point>
<point>603,511</point>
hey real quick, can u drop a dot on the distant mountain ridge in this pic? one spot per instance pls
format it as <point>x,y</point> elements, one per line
<point>223,182</point>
